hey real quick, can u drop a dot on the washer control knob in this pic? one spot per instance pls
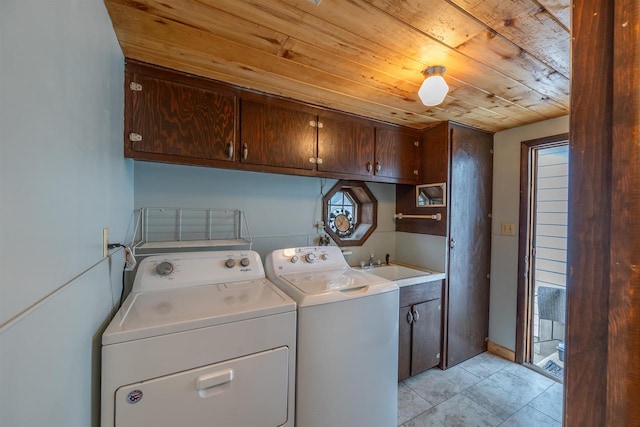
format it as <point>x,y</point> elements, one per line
<point>245,262</point>
<point>310,257</point>
<point>165,268</point>
<point>294,259</point>
<point>325,257</point>
<point>230,263</point>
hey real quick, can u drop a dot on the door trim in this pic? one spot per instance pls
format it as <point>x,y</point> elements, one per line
<point>523,305</point>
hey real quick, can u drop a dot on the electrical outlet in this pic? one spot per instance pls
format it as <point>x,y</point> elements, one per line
<point>508,229</point>
<point>105,242</point>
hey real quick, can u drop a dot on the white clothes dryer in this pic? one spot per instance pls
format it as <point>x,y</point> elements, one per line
<point>347,349</point>
<point>204,339</point>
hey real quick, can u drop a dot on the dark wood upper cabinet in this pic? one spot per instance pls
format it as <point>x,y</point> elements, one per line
<point>170,119</point>
<point>396,153</point>
<point>273,135</point>
<point>345,145</point>
<point>180,118</point>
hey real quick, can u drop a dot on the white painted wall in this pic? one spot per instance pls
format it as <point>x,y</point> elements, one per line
<point>422,250</point>
<point>62,179</point>
<point>281,210</point>
<point>504,249</point>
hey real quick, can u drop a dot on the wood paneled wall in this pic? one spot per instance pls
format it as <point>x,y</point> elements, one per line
<point>602,380</point>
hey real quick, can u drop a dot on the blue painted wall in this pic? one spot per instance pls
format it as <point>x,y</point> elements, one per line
<point>63,179</point>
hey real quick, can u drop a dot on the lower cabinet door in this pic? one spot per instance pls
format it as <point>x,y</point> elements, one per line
<point>250,391</point>
<point>404,344</point>
<point>426,336</point>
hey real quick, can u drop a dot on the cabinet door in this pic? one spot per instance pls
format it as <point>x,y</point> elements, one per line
<point>179,120</point>
<point>470,243</point>
<point>396,154</point>
<point>425,352</point>
<point>404,344</point>
<point>345,146</point>
<point>272,135</point>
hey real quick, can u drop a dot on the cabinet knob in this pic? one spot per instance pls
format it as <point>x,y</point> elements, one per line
<point>409,317</point>
<point>230,149</point>
<point>378,166</point>
<point>452,243</point>
<point>416,316</point>
<point>245,151</point>
<point>369,167</point>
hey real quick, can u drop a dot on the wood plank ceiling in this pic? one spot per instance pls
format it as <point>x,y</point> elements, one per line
<point>507,60</point>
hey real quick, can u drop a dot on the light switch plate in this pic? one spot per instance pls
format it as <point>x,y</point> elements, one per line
<point>508,229</point>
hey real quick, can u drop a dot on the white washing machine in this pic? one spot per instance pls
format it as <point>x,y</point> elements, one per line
<point>204,339</point>
<point>347,349</point>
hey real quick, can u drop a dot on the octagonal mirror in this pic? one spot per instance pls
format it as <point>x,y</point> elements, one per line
<point>349,213</point>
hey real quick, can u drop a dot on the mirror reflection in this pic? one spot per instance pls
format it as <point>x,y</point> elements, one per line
<point>431,195</point>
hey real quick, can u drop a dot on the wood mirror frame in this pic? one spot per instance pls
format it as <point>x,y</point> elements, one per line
<point>366,217</point>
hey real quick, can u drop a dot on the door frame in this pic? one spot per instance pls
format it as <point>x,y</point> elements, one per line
<point>524,294</point>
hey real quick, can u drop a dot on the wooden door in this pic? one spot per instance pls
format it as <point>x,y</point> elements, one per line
<point>178,120</point>
<point>426,336</point>
<point>404,344</point>
<point>345,146</point>
<point>470,243</point>
<point>396,154</point>
<point>273,135</point>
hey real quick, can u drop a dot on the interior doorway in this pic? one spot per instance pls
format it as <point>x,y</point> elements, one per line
<point>543,254</point>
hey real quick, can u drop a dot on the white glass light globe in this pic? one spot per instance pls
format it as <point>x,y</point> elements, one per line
<point>433,91</point>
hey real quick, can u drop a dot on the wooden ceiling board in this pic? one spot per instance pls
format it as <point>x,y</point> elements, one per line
<point>479,43</point>
<point>166,31</point>
<point>414,44</point>
<point>528,25</point>
<point>362,57</point>
<point>560,10</point>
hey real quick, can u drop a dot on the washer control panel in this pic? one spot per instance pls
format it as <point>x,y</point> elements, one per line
<point>185,269</point>
<point>305,259</point>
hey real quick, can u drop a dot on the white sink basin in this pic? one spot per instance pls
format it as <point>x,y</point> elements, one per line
<point>404,276</point>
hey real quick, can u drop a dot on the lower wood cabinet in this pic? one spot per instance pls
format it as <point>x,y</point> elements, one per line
<point>420,332</point>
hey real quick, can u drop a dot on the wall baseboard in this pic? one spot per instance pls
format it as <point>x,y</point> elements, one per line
<point>501,351</point>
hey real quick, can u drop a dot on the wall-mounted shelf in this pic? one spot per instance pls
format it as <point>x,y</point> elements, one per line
<point>164,230</point>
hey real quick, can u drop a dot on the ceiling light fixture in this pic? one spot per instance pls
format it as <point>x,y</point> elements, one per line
<point>434,88</point>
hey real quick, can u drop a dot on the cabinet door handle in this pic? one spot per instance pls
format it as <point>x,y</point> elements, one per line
<point>416,316</point>
<point>452,243</point>
<point>369,167</point>
<point>409,317</point>
<point>230,150</point>
<point>245,151</point>
<point>378,166</point>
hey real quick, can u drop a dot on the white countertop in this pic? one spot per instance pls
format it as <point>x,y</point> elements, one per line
<point>404,275</point>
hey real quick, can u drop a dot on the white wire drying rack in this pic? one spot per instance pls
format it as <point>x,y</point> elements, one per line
<point>164,230</point>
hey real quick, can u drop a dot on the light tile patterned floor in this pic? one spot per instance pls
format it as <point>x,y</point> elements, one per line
<point>483,391</point>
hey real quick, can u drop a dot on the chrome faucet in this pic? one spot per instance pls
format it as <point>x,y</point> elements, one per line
<point>370,260</point>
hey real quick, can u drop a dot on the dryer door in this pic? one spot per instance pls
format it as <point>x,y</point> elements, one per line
<point>245,392</point>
